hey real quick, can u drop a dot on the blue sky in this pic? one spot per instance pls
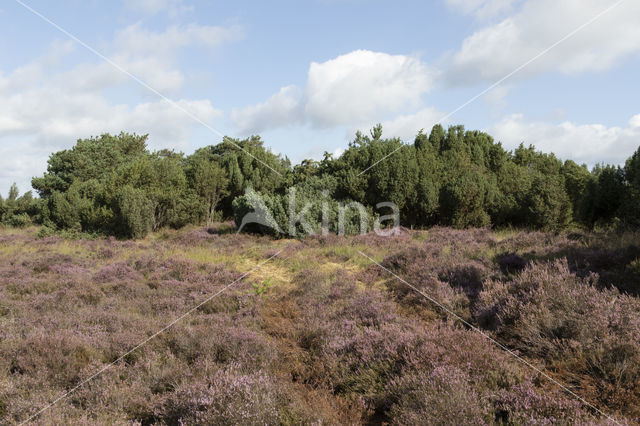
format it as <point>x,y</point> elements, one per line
<point>306,75</point>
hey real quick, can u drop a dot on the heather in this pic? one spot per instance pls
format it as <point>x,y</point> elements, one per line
<point>319,334</point>
<point>565,319</point>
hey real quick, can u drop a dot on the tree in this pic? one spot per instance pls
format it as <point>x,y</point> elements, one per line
<point>135,210</point>
<point>631,201</point>
<point>513,183</point>
<point>92,158</point>
<point>305,170</point>
<point>162,178</point>
<point>464,192</point>
<point>576,179</point>
<point>13,192</point>
<point>454,139</point>
<point>425,205</point>
<point>436,137</point>
<point>209,181</point>
<point>374,170</point>
<point>63,210</point>
<point>248,164</point>
<point>376,132</point>
<point>114,185</point>
<point>604,195</point>
<point>482,149</point>
<point>547,204</point>
<point>421,141</point>
<point>19,211</point>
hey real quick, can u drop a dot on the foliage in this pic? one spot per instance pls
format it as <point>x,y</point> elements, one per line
<point>631,197</point>
<point>550,313</point>
<point>302,211</point>
<point>113,185</point>
<point>20,211</point>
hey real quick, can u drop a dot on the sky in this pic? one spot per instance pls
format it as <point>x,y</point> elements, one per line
<point>307,74</point>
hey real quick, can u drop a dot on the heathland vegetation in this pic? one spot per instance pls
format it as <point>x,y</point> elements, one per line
<point>514,299</point>
<point>113,185</point>
<point>319,334</point>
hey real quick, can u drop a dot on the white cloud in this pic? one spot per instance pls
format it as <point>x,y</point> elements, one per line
<point>45,119</point>
<point>353,89</point>
<point>136,40</point>
<point>407,127</point>
<point>496,50</point>
<point>167,124</point>
<point>583,143</point>
<point>151,55</point>
<point>279,110</point>
<point>25,75</point>
<point>364,85</point>
<point>45,107</point>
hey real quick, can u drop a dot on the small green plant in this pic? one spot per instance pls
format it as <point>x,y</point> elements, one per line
<point>46,231</point>
<point>260,288</point>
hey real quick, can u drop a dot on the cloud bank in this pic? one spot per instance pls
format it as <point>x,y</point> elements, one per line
<point>355,88</point>
<point>498,49</point>
<point>45,107</point>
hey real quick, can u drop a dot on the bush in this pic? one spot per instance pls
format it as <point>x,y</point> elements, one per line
<point>550,313</point>
<point>21,220</point>
<point>524,404</point>
<point>511,263</point>
<point>269,214</point>
<point>547,204</point>
<point>230,397</point>
<point>444,393</point>
<point>136,213</point>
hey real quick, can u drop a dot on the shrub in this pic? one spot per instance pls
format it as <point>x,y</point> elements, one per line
<point>405,371</point>
<point>547,204</point>
<point>19,220</point>
<point>320,346</point>
<point>443,393</point>
<point>136,213</point>
<point>230,397</point>
<point>116,272</point>
<point>436,270</point>
<point>272,213</point>
<point>59,359</point>
<point>525,404</point>
<point>550,313</point>
<point>511,263</point>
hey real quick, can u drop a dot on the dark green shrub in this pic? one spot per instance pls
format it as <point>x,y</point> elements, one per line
<point>135,212</point>
<point>19,220</point>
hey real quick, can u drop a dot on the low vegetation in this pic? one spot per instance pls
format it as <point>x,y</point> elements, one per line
<point>512,299</point>
<point>319,334</point>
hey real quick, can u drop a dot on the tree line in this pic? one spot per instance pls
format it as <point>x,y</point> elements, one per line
<point>114,185</point>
